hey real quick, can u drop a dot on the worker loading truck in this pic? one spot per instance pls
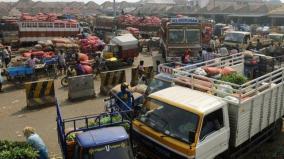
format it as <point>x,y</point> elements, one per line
<point>204,117</point>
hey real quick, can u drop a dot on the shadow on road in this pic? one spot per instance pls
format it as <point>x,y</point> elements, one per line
<point>25,110</point>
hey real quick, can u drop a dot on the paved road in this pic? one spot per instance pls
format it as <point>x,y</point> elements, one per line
<point>14,117</point>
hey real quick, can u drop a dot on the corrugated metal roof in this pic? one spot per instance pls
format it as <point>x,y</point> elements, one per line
<point>160,1</point>
<point>277,12</point>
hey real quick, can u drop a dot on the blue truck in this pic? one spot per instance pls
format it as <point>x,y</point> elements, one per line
<point>94,137</point>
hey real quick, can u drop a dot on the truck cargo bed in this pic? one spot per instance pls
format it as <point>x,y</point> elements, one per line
<point>253,106</point>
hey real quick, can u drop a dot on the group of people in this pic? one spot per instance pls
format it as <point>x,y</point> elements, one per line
<point>210,52</point>
<point>206,54</point>
<point>5,55</point>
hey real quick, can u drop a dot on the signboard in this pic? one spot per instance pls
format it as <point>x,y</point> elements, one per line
<point>165,69</point>
<point>184,20</point>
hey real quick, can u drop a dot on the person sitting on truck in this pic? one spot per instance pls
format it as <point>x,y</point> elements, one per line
<point>35,140</point>
<point>125,95</point>
<point>186,56</point>
<point>208,55</point>
<point>213,43</point>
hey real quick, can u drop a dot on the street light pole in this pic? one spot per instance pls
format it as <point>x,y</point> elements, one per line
<point>114,8</point>
<point>114,15</point>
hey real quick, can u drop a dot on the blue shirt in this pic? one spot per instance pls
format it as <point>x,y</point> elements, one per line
<point>79,69</point>
<point>36,142</point>
<point>126,97</point>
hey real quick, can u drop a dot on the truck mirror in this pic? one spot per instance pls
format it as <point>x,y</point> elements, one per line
<point>191,136</point>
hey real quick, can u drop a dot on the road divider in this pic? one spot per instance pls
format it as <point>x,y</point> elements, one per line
<point>40,93</point>
<point>110,79</point>
<point>81,87</point>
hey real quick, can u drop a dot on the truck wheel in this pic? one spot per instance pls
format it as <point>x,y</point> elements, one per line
<point>64,81</point>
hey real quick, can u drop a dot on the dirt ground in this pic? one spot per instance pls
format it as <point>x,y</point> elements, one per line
<point>14,117</point>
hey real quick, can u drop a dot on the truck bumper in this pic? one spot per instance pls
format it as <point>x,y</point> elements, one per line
<point>152,149</point>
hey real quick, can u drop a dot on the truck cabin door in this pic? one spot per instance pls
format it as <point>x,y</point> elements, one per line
<point>214,135</point>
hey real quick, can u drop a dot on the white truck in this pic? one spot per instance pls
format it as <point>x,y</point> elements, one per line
<point>241,40</point>
<point>197,120</point>
<point>276,37</point>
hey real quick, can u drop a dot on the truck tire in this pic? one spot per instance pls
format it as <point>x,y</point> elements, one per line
<point>64,81</point>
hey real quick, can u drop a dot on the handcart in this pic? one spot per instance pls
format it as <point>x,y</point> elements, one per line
<point>20,74</point>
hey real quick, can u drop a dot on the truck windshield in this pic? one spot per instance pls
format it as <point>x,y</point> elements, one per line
<point>169,120</point>
<point>119,150</point>
<point>234,37</point>
<point>276,38</point>
<point>193,36</point>
<point>176,36</point>
<point>156,85</point>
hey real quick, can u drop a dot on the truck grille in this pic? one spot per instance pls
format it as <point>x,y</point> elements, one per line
<point>152,149</point>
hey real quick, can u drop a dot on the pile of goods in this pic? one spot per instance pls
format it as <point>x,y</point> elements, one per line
<point>226,74</point>
<point>151,21</point>
<point>129,20</point>
<point>64,43</point>
<point>17,150</point>
<point>38,54</point>
<point>133,31</point>
<point>140,21</point>
<point>44,17</point>
<point>91,44</point>
<point>39,17</point>
<point>202,83</point>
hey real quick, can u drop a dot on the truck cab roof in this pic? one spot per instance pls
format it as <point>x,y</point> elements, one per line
<point>239,32</point>
<point>102,136</point>
<point>276,34</point>
<point>189,99</point>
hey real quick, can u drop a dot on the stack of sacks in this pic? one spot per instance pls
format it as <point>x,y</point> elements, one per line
<point>92,44</point>
<point>128,20</point>
<point>39,54</point>
<point>139,21</point>
<point>212,71</point>
<point>151,21</point>
<point>133,31</point>
<point>39,17</point>
<point>84,60</point>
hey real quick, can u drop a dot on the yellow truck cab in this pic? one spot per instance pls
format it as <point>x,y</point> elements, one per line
<point>179,123</point>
